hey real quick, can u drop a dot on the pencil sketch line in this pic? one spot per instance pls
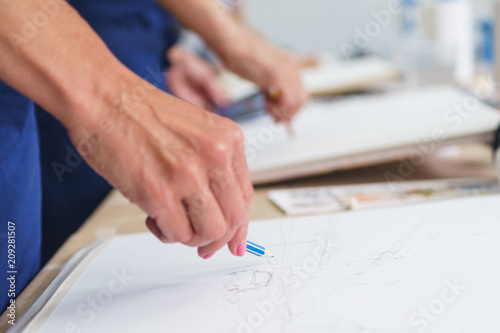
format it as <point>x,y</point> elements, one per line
<point>329,239</point>
<point>258,279</point>
<point>348,282</point>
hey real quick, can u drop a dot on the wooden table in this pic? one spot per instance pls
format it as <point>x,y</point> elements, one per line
<point>117,216</point>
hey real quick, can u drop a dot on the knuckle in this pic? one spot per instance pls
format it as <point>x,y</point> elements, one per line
<point>233,131</point>
<point>192,168</point>
<point>242,231</point>
<point>237,220</point>
<point>220,152</point>
<point>182,237</point>
<point>237,134</point>
<point>221,148</point>
<point>197,204</point>
<point>219,181</point>
<point>215,232</point>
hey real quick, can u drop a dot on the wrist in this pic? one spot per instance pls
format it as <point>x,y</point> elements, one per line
<point>91,97</point>
<point>108,112</point>
<point>229,38</point>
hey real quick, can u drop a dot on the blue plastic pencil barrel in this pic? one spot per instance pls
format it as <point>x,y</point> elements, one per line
<point>257,250</point>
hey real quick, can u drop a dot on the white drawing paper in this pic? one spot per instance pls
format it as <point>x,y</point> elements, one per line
<point>431,267</point>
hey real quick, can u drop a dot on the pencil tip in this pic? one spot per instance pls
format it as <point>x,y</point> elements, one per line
<point>268,254</point>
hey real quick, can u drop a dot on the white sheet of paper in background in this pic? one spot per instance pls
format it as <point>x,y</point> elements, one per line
<point>329,76</point>
<point>379,270</point>
<point>364,131</point>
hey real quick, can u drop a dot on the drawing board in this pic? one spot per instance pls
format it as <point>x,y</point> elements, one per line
<point>365,131</point>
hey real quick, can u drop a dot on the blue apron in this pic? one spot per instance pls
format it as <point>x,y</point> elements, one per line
<point>20,192</point>
<point>138,33</point>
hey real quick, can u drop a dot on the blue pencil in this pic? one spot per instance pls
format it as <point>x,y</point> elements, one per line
<point>258,250</point>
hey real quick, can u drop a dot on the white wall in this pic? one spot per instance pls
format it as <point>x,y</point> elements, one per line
<point>483,8</point>
<point>325,24</point>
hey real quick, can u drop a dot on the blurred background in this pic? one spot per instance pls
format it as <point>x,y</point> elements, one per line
<point>290,22</point>
<point>430,41</point>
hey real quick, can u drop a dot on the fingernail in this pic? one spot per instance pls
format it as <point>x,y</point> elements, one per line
<point>208,256</point>
<point>241,249</point>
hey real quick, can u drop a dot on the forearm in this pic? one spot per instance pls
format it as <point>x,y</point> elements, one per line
<point>220,30</point>
<point>244,53</point>
<point>51,55</point>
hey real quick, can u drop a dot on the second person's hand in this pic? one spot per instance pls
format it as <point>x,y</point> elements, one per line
<point>271,68</point>
<point>193,79</point>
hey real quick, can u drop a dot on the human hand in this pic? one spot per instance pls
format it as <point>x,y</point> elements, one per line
<point>245,53</point>
<point>193,79</point>
<point>272,69</point>
<point>183,166</point>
